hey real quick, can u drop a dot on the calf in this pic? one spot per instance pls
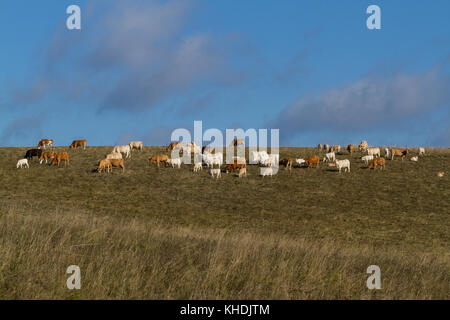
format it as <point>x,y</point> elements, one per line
<point>215,172</point>
<point>197,166</point>
<point>243,172</point>
<point>421,151</point>
<point>300,161</point>
<point>415,159</point>
<point>343,164</point>
<point>377,162</point>
<point>287,163</point>
<point>21,163</point>
<point>174,162</point>
<point>312,160</point>
<point>399,152</point>
<point>104,164</point>
<point>330,156</point>
<point>60,157</point>
<point>366,159</point>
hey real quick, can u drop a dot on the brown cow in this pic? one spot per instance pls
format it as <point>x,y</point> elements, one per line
<point>174,145</point>
<point>60,157</point>
<point>117,163</point>
<point>312,160</point>
<point>350,148</point>
<point>399,152</point>
<point>104,164</point>
<point>287,163</point>
<point>78,143</point>
<point>46,155</point>
<point>377,162</point>
<point>363,145</point>
<point>158,159</point>
<point>45,142</point>
<point>235,166</point>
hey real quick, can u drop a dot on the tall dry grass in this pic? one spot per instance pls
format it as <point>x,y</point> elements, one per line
<point>132,258</point>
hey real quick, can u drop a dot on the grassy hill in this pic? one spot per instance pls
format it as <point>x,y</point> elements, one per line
<point>174,234</point>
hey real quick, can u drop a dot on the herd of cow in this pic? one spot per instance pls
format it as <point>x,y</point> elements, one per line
<point>207,156</point>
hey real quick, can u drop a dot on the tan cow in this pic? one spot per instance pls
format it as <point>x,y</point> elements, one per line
<point>114,155</point>
<point>287,163</point>
<point>78,143</point>
<point>312,160</point>
<point>399,152</point>
<point>326,147</point>
<point>236,142</point>
<point>46,155</point>
<point>336,148</point>
<point>377,162</point>
<point>319,147</point>
<point>138,145</point>
<point>104,165</point>
<point>174,145</point>
<point>158,159</point>
<point>117,163</point>
<point>60,157</point>
<point>350,148</point>
<point>363,145</point>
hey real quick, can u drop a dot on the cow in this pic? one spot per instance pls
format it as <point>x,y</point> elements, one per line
<point>237,142</point>
<point>440,174</point>
<point>421,151</point>
<point>300,161</point>
<point>174,162</point>
<point>386,152</point>
<point>46,155</point>
<point>198,166</point>
<point>363,145</point>
<point>330,156</point>
<point>212,159</point>
<point>287,163</point>
<point>335,148</point>
<point>377,162</point>
<point>343,164</point>
<point>207,149</point>
<point>235,166</point>
<point>104,165</point>
<point>138,145</point>
<point>158,159</point>
<point>366,159</point>
<point>33,153</point>
<point>117,163</point>
<point>266,172</point>
<point>22,163</point>
<point>215,172</point>
<point>326,147</point>
<point>44,143</point>
<point>319,147</point>
<point>175,145</point>
<point>60,157</point>
<point>399,152</point>
<point>374,152</point>
<point>242,172</point>
<point>123,149</point>
<point>114,155</point>
<point>415,159</point>
<point>78,143</point>
<point>269,160</point>
<point>350,148</point>
<point>312,160</point>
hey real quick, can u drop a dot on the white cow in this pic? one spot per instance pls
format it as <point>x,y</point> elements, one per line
<point>421,151</point>
<point>136,145</point>
<point>21,163</point>
<point>212,159</point>
<point>266,172</point>
<point>415,159</point>
<point>114,155</point>
<point>366,159</point>
<point>175,162</point>
<point>197,166</point>
<point>215,172</point>
<point>373,152</point>
<point>343,164</point>
<point>330,156</point>
<point>300,161</point>
<point>386,152</point>
<point>123,149</point>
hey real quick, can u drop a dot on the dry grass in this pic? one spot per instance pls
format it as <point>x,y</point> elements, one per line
<point>175,234</point>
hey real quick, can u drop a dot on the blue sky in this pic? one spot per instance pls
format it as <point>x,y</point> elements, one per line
<point>139,69</point>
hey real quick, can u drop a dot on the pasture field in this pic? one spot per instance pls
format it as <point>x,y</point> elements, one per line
<point>174,234</point>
